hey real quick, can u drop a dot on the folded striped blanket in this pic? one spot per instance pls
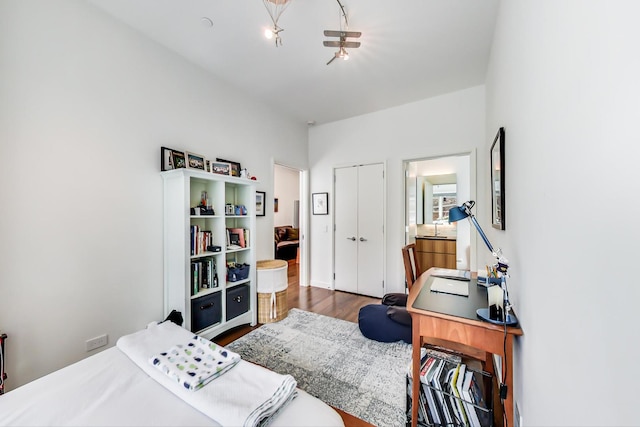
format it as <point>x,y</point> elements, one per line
<point>196,363</point>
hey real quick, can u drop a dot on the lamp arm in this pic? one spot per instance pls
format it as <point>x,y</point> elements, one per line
<point>474,221</point>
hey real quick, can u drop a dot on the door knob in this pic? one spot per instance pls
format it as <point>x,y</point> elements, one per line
<point>362,239</point>
<point>353,239</point>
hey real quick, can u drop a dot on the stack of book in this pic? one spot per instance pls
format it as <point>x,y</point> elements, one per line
<point>451,394</point>
<point>203,275</point>
<point>200,240</point>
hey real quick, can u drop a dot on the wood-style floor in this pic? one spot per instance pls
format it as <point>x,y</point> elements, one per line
<point>341,305</point>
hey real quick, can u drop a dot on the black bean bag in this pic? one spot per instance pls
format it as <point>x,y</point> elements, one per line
<point>385,323</point>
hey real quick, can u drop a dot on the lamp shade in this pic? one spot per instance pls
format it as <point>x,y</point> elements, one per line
<point>457,213</point>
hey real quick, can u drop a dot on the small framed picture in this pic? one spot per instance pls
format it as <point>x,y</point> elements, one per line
<point>221,168</point>
<point>178,159</point>
<point>320,203</point>
<point>166,159</point>
<point>275,204</point>
<point>235,166</point>
<point>195,161</point>
<point>260,200</point>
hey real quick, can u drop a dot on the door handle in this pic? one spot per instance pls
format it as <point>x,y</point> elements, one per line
<point>362,239</point>
<point>353,239</point>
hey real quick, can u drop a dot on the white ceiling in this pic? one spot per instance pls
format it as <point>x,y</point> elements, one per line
<point>411,49</point>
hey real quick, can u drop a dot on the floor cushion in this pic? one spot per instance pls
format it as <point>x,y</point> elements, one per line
<point>376,325</point>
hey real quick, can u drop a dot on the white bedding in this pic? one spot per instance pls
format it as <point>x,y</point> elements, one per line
<point>108,389</point>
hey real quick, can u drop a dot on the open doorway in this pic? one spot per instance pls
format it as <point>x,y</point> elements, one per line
<point>434,185</point>
<point>288,219</point>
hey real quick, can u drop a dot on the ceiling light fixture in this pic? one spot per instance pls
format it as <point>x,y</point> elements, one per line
<point>275,9</point>
<point>342,34</point>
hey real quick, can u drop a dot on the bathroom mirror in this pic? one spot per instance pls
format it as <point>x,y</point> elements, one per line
<point>436,194</point>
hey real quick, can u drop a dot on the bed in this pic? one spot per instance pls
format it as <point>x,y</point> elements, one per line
<point>120,387</point>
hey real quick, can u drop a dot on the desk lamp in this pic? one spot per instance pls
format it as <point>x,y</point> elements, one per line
<point>464,211</point>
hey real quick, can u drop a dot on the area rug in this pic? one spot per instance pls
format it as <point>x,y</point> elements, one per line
<point>331,360</point>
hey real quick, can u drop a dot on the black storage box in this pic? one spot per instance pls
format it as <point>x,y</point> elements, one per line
<point>237,301</point>
<point>205,311</point>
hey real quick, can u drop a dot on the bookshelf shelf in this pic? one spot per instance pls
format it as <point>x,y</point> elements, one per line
<point>190,270</point>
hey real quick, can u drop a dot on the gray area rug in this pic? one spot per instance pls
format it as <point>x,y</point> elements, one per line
<point>331,360</point>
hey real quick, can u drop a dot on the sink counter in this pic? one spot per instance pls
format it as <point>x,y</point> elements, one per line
<point>437,237</point>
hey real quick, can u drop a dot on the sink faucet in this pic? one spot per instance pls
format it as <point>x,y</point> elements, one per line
<point>436,225</point>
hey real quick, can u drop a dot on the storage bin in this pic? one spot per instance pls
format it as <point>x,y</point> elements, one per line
<point>206,311</point>
<point>237,272</point>
<point>237,301</point>
<point>272,290</point>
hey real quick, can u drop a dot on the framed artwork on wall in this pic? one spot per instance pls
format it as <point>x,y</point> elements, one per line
<point>497,181</point>
<point>320,204</point>
<point>260,200</point>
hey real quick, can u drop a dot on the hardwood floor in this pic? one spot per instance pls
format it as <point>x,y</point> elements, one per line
<point>341,305</point>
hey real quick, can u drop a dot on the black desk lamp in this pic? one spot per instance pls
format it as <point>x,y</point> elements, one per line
<point>464,211</point>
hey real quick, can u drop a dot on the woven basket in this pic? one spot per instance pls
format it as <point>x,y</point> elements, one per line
<point>269,312</point>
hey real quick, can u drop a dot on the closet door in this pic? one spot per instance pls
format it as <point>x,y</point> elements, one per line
<point>359,230</point>
<point>371,230</point>
<point>346,230</point>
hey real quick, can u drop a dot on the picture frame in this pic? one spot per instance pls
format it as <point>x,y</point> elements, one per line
<point>235,167</point>
<point>195,161</point>
<point>275,204</point>
<point>166,159</point>
<point>498,180</point>
<point>320,203</point>
<point>261,198</point>
<point>221,168</point>
<point>178,159</point>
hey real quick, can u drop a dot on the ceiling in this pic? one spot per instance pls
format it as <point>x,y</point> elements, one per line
<point>411,49</point>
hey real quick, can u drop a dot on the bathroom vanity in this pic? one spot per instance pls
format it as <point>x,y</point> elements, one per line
<point>436,251</point>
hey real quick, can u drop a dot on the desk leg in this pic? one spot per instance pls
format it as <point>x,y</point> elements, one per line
<point>415,399</point>
<point>508,380</point>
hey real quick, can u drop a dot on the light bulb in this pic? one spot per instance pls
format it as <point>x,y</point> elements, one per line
<point>268,33</point>
<point>345,56</point>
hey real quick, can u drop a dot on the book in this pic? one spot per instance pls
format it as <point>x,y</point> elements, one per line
<point>437,381</point>
<point>472,415</point>
<point>457,388</point>
<point>430,395</point>
<point>425,367</point>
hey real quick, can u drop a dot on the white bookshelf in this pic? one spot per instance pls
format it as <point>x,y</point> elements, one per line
<point>182,191</point>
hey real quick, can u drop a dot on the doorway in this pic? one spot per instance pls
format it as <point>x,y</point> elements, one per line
<point>432,186</point>
<point>289,219</point>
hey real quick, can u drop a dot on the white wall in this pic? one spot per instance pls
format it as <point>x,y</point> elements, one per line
<point>286,187</point>
<point>443,125</point>
<point>563,81</point>
<point>85,105</point>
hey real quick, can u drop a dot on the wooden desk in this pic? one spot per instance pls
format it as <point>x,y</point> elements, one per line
<point>437,316</point>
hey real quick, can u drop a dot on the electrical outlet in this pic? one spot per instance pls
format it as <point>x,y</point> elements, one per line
<point>518,420</point>
<point>96,342</point>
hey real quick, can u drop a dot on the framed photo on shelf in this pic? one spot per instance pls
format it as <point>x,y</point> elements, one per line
<point>497,181</point>
<point>178,159</point>
<point>235,167</point>
<point>260,200</point>
<point>221,168</point>
<point>195,161</point>
<point>320,203</point>
<point>166,159</point>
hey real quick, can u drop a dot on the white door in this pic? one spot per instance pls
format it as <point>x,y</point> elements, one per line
<point>359,229</point>
<point>346,229</point>
<point>371,230</point>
